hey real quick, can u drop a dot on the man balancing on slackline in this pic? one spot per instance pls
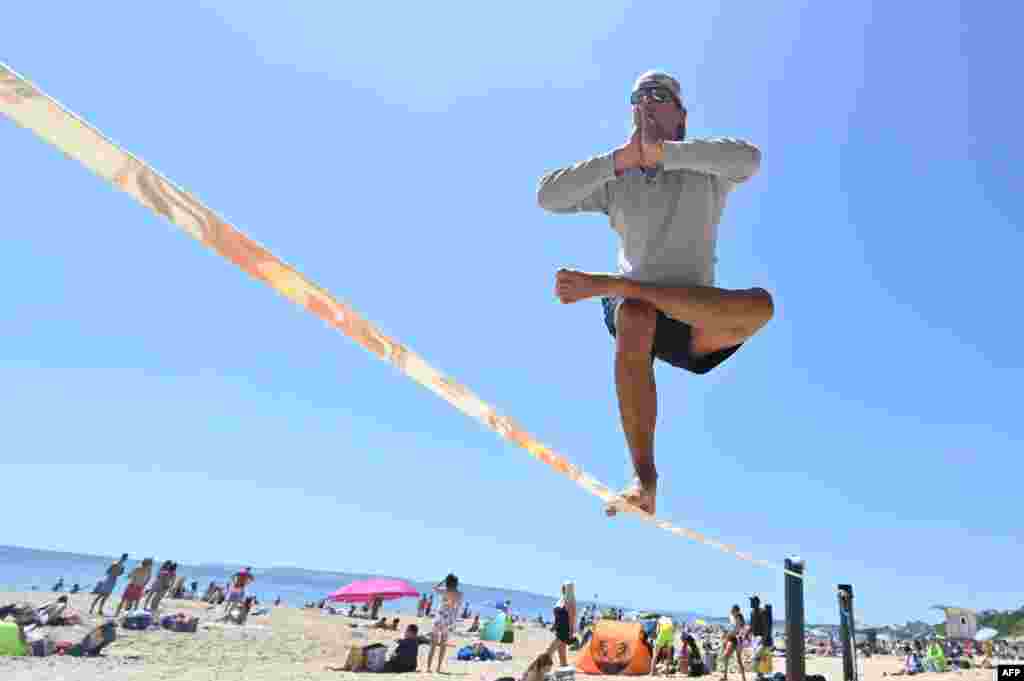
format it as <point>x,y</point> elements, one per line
<point>664,196</point>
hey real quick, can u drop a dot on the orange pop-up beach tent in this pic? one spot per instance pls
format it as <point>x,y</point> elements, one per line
<point>615,648</point>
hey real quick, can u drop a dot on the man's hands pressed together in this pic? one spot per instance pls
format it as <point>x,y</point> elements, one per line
<point>645,147</point>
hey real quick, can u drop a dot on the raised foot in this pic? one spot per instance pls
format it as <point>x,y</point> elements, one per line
<point>572,285</point>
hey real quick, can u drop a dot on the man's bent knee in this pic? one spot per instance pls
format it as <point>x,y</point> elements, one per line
<point>635,323</point>
<point>765,308</point>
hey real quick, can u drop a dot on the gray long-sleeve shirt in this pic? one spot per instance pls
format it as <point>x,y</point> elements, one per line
<point>668,225</point>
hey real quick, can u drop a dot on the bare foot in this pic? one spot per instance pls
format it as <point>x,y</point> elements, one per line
<point>635,495</point>
<point>572,286</point>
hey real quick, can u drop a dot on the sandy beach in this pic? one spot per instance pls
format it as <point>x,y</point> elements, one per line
<point>292,643</point>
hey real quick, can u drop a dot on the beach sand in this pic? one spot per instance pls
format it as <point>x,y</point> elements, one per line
<point>291,643</point>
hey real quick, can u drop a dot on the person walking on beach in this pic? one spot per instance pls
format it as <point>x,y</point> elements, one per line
<point>137,580</point>
<point>734,643</point>
<point>444,620</point>
<point>163,583</point>
<point>106,586</point>
<point>565,623</point>
<point>664,195</point>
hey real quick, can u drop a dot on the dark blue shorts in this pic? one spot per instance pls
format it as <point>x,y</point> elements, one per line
<point>672,341</point>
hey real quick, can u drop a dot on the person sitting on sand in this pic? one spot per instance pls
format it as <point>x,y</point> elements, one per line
<point>539,668</point>
<point>694,661</point>
<point>911,663</point>
<point>382,623</point>
<point>444,620</point>
<point>52,613</point>
<point>105,587</point>
<point>475,627</point>
<point>935,661</point>
<point>394,624</point>
<point>238,613</point>
<point>986,651</point>
<point>136,585</point>
<point>406,655</point>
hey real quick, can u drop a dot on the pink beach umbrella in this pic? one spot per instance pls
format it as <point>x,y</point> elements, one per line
<point>366,591</point>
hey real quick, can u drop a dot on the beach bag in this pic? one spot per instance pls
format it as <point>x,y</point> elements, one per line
<point>138,620</point>
<point>376,657</point>
<point>189,626</point>
<point>43,647</point>
<point>465,653</point>
<point>356,660</point>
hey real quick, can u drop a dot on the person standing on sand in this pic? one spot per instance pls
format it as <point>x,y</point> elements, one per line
<point>160,585</point>
<point>664,196</point>
<point>167,582</point>
<point>137,580</point>
<point>565,623</point>
<point>106,586</point>
<point>734,643</point>
<point>444,620</point>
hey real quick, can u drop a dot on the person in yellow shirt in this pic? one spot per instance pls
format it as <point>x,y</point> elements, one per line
<point>664,639</point>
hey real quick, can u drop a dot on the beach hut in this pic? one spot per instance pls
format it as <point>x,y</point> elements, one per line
<point>961,623</point>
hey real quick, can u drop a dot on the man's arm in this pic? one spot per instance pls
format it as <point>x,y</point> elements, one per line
<point>581,188</point>
<point>733,159</point>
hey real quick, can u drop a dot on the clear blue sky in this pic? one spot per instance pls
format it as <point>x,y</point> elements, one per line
<point>392,154</point>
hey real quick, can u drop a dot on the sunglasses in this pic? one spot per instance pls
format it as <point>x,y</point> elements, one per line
<point>658,94</point>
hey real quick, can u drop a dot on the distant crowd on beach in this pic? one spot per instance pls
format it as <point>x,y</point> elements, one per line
<point>144,590</point>
<point>22,624</point>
